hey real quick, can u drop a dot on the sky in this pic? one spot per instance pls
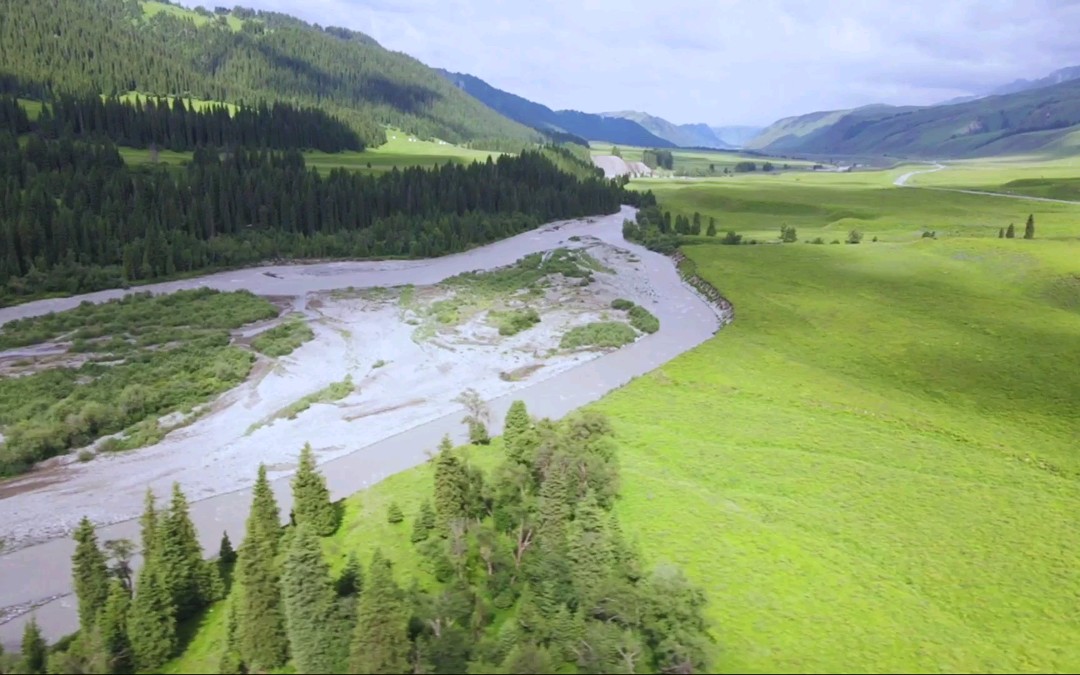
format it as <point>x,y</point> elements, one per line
<point>719,61</point>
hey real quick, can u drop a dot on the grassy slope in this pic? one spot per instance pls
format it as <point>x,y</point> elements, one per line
<point>991,126</point>
<point>150,8</point>
<point>398,151</point>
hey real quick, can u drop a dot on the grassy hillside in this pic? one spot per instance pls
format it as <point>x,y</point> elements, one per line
<point>683,135</point>
<point>1037,120</point>
<point>583,125</point>
<point>241,55</point>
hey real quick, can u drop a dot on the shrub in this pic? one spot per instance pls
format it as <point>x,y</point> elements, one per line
<point>622,304</point>
<point>854,237</point>
<point>609,334</point>
<point>732,239</point>
<point>283,339</point>
<point>643,320</point>
<point>514,321</point>
<point>817,240</point>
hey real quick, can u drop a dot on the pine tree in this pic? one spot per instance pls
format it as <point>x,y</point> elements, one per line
<point>381,639</point>
<point>91,575</point>
<point>182,567</point>
<point>311,499</point>
<point>226,554</point>
<point>451,487</point>
<point>351,580</point>
<point>1001,233</point>
<point>1010,232</point>
<point>260,632</point>
<point>318,638</point>
<point>394,514</point>
<point>149,524</point>
<point>589,549</point>
<point>34,650</point>
<point>112,629</point>
<point>711,231</point>
<point>519,434</point>
<point>151,619</point>
<point>1029,227</point>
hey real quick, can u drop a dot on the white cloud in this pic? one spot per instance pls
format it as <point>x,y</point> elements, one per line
<point>720,61</point>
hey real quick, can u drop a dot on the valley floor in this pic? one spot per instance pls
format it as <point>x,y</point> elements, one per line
<point>405,372</point>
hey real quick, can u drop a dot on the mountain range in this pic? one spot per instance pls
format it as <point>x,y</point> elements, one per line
<point>1035,118</point>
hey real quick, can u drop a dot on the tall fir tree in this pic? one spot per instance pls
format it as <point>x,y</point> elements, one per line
<point>34,650</point>
<point>260,631</point>
<point>381,639</point>
<point>184,572</point>
<point>1029,227</point>
<point>1010,232</point>
<point>519,434</point>
<point>226,554</point>
<point>91,575</point>
<point>589,549</point>
<point>151,619</point>
<point>311,499</point>
<point>112,630</point>
<point>318,633</point>
<point>149,524</point>
<point>451,487</point>
<point>351,580</point>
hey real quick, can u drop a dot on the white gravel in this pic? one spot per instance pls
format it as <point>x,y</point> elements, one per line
<point>397,412</point>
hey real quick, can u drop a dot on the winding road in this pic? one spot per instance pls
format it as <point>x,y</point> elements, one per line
<point>38,577</point>
<point>902,181</point>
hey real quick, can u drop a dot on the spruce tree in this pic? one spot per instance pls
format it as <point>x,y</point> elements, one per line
<point>711,231</point>
<point>151,619</point>
<point>260,631</point>
<point>1001,233</point>
<point>91,575</point>
<point>1029,227</point>
<point>112,630</point>
<point>451,487</point>
<point>226,554</point>
<point>394,514</point>
<point>519,434</point>
<point>311,499</point>
<point>183,570</point>
<point>1010,232</point>
<point>149,524</point>
<point>318,638</point>
<point>589,549</point>
<point>381,639</point>
<point>351,580</point>
<point>34,650</point>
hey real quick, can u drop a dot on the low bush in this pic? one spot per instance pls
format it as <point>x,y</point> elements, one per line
<point>599,334</point>
<point>284,339</point>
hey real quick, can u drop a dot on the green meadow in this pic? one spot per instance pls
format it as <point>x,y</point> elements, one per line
<point>830,205</point>
<point>698,161</point>
<point>874,467</point>
<point>151,8</point>
<point>398,152</point>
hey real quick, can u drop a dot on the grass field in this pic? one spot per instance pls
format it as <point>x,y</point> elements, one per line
<point>829,205</point>
<point>398,152</point>
<point>697,161</point>
<point>151,8</point>
<point>874,467</point>
<point>1027,175</point>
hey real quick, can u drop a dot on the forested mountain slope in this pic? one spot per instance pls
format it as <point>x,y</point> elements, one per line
<point>117,46</point>
<point>1026,121</point>
<point>586,125</point>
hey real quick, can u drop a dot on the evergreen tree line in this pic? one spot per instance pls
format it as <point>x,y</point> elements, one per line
<point>112,47</point>
<point>1010,232</point>
<point>179,126</point>
<point>532,571</point>
<point>658,158</point>
<point>659,231</point>
<point>75,218</point>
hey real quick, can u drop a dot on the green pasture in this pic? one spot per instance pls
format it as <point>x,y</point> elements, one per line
<point>874,468</point>
<point>829,205</point>
<point>151,8</point>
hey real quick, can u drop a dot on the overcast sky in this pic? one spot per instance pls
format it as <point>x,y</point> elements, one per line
<point>719,61</point>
